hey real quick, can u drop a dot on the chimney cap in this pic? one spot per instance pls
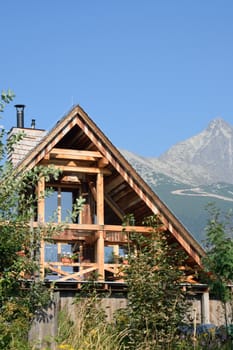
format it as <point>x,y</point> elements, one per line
<point>33,124</point>
<point>20,115</point>
<point>20,106</point>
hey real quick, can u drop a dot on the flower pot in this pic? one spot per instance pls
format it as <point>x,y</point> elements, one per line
<point>66,260</point>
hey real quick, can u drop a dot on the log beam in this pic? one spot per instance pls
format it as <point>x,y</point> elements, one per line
<point>41,219</point>
<point>61,153</point>
<point>80,169</point>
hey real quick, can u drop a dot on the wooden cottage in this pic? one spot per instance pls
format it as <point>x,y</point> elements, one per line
<point>93,169</point>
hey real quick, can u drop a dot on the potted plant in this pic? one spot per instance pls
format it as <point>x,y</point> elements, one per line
<point>68,258</point>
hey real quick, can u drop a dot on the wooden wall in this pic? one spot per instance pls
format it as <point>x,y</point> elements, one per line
<point>44,328</point>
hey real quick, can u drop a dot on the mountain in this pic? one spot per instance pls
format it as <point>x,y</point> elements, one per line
<point>192,174</point>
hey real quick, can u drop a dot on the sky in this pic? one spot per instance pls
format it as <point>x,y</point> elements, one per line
<point>150,73</point>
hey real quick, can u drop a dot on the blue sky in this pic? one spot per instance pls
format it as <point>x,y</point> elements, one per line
<point>150,73</point>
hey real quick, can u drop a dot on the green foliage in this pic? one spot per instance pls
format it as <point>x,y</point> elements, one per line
<point>21,292</point>
<point>156,304</point>
<point>5,98</point>
<point>90,330</point>
<point>219,259</point>
<point>156,301</point>
<point>77,208</point>
<point>218,262</point>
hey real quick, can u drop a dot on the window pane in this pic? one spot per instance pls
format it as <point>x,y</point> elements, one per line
<point>66,206</point>
<point>66,249</point>
<point>51,207</point>
<point>108,254</point>
<point>50,252</point>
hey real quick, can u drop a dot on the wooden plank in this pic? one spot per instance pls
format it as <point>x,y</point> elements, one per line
<point>117,210</point>
<point>42,259</point>
<point>93,189</point>
<point>132,202</point>
<point>119,228</point>
<point>77,275</point>
<point>80,169</point>
<point>41,201</point>
<point>116,237</point>
<point>41,219</point>
<point>114,183</point>
<point>61,153</point>
<point>100,198</point>
<point>103,162</point>
<point>95,227</point>
<point>100,221</point>
<point>100,255</point>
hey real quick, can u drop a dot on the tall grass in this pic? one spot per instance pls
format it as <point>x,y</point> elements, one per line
<point>86,328</point>
<point>89,330</point>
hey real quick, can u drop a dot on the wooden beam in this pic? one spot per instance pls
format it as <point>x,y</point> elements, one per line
<point>93,189</point>
<point>80,169</point>
<point>42,259</point>
<point>100,255</point>
<point>103,162</point>
<point>132,203</point>
<point>123,192</point>
<point>62,153</point>
<point>117,210</point>
<point>95,227</point>
<point>108,200</point>
<point>114,183</point>
<point>100,198</point>
<point>100,221</point>
<point>41,219</point>
<point>41,201</point>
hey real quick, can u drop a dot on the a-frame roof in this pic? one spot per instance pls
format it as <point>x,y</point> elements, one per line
<point>125,190</point>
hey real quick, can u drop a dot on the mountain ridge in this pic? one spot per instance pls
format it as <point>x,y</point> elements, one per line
<point>205,158</point>
<point>192,174</point>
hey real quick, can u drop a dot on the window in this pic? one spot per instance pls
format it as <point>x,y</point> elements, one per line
<point>51,254</point>
<point>59,205</point>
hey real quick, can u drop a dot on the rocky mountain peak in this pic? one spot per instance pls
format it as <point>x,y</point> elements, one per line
<point>192,174</point>
<point>220,125</point>
<point>205,158</point>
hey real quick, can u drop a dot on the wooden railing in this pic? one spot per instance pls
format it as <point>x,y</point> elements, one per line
<point>83,270</point>
<point>87,271</point>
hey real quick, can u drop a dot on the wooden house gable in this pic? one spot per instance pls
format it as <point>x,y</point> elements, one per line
<point>85,155</point>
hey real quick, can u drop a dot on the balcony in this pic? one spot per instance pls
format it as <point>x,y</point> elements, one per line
<point>92,241</point>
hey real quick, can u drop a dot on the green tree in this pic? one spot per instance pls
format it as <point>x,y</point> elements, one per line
<point>156,300</point>
<point>5,98</point>
<point>218,262</point>
<point>19,244</point>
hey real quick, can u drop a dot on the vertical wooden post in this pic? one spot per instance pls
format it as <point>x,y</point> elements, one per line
<point>100,221</point>
<point>41,201</point>
<point>100,198</point>
<point>115,250</point>
<point>205,307</point>
<point>41,219</point>
<point>59,205</point>
<point>59,220</point>
<point>85,215</point>
<point>80,260</point>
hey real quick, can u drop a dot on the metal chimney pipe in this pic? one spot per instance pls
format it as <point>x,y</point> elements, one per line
<point>20,115</point>
<point>33,123</point>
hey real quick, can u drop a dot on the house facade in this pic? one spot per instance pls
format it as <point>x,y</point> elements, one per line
<point>92,243</point>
